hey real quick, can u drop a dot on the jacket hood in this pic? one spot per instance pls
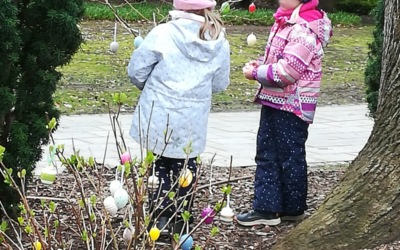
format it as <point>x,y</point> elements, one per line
<point>322,28</point>
<point>185,34</point>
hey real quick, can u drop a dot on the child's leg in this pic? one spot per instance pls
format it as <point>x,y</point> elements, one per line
<point>267,185</point>
<point>162,169</point>
<point>292,134</point>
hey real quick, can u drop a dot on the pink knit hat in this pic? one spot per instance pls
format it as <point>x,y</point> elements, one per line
<point>194,4</point>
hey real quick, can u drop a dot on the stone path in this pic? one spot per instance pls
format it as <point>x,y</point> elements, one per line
<point>338,135</point>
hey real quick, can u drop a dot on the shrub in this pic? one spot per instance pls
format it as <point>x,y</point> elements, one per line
<point>361,7</point>
<point>37,37</point>
<point>373,68</point>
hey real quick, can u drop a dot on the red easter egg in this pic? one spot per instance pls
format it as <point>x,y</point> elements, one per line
<point>252,7</point>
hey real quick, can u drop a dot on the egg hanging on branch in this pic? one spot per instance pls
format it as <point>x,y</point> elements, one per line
<point>153,182</point>
<point>188,244</point>
<point>186,178</point>
<point>225,8</point>
<point>252,8</point>
<point>138,41</point>
<point>154,234</point>
<point>121,198</point>
<point>111,207</point>
<point>208,212</point>
<point>227,213</point>
<point>114,46</point>
<point>251,40</point>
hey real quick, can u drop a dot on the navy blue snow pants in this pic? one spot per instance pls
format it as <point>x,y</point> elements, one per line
<point>168,170</point>
<point>281,176</point>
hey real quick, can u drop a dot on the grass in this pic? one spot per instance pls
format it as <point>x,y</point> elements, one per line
<point>95,73</point>
<point>97,11</point>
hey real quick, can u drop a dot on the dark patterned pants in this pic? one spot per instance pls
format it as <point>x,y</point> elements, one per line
<point>168,171</point>
<point>281,176</point>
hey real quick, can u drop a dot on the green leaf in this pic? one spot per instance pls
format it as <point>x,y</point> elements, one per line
<point>142,171</point>
<point>43,203</point>
<point>147,220</point>
<point>176,237</point>
<point>185,203</point>
<point>93,200</point>
<point>186,216</point>
<point>46,232</point>
<point>28,229</point>
<point>21,220</point>
<point>22,208</point>
<point>56,223</point>
<point>214,231</point>
<point>127,168</point>
<point>4,226</point>
<point>149,158</point>
<point>81,204</point>
<point>32,213</point>
<point>91,161</point>
<point>139,182</point>
<point>122,98</point>
<point>226,189</point>
<point>2,150</point>
<point>52,123</point>
<point>197,248</point>
<point>198,160</point>
<point>23,173</point>
<point>171,195</point>
<point>92,217</point>
<point>84,235</point>
<point>94,235</point>
<point>126,223</point>
<point>52,207</point>
<point>218,207</point>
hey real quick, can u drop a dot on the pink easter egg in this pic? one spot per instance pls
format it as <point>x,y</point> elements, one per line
<point>125,157</point>
<point>207,211</point>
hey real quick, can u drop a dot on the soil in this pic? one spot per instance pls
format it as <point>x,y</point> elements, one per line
<point>229,237</point>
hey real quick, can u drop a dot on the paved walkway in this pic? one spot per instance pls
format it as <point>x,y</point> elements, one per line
<point>338,135</point>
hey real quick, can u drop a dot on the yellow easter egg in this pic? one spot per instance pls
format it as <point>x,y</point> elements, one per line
<point>154,234</point>
<point>186,179</point>
<point>38,245</point>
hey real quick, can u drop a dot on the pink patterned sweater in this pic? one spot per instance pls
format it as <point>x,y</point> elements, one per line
<point>290,72</point>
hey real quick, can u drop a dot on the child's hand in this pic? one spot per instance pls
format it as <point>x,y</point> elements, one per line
<point>248,72</point>
<point>255,64</point>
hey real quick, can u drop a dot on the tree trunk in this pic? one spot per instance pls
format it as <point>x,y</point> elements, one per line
<point>363,210</point>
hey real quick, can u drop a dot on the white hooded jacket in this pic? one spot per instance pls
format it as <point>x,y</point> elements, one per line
<point>178,72</point>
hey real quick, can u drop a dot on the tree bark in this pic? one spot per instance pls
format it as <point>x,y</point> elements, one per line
<point>363,210</point>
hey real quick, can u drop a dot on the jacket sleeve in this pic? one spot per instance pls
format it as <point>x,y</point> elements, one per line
<point>221,78</point>
<point>144,59</point>
<point>296,58</point>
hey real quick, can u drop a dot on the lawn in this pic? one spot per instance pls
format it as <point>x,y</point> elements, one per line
<point>95,73</point>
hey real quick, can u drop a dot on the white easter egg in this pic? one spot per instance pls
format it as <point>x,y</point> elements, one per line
<point>121,198</point>
<point>251,40</point>
<point>111,207</point>
<point>153,182</point>
<point>114,186</point>
<point>227,215</point>
<point>138,41</point>
<point>128,234</point>
<point>114,46</point>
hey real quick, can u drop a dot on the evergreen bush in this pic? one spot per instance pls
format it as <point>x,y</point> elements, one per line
<point>360,7</point>
<point>373,68</point>
<point>36,38</point>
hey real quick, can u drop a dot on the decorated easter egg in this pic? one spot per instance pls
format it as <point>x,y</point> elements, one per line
<point>38,245</point>
<point>111,207</point>
<point>252,8</point>
<point>186,178</point>
<point>153,182</point>
<point>251,40</point>
<point>208,211</point>
<point>48,175</point>
<point>114,186</point>
<point>125,157</point>
<point>227,215</point>
<point>138,41</point>
<point>121,198</point>
<point>127,235</point>
<point>225,8</point>
<point>188,244</point>
<point>114,46</point>
<point>154,234</point>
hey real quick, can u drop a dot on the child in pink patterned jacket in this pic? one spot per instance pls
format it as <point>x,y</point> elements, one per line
<point>290,77</point>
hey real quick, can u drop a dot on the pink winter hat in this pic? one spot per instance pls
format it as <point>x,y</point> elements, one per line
<point>194,4</point>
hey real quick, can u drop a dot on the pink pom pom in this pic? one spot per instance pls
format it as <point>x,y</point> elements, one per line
<point>125,157</point>
<point>210,218</point>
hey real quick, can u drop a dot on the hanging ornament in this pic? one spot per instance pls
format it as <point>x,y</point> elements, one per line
<point>114,46</point>
<point>127,235</point>
<point>252,8</point>
<point>186,178</point>
<point>208,211</point>
<point>138,41</point>
<point>115,184</point>
<point>153,182</point>
<point>225,8</point>
<point>49,173</point>
<point>121,197</point>
<point>251,40</point>
<point>188,244</point>
<point>125,157</point>
<point>111,207</point>
<point>154,234</point>
<point>38,245</point>
<point>227,213</point>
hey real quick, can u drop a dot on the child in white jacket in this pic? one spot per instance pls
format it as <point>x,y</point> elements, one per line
<point>178,66</point>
